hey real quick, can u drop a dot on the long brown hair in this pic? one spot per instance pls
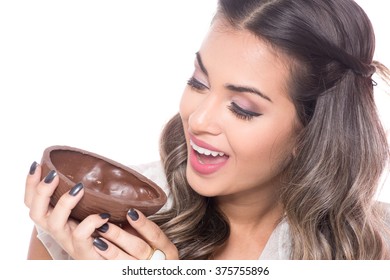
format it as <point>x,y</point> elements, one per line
<point>341,151</point>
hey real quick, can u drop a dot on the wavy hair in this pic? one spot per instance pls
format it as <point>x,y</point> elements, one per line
<point>329,186</point>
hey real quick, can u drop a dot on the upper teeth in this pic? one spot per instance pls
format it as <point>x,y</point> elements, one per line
<point>204,151</point>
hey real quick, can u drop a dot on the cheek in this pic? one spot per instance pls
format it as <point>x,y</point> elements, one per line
<point>264,146</point>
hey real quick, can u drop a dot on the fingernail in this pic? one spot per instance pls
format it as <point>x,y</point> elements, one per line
<point>33,167</point>
<point>50,176</point>
<point>133,214</point>
<point>103,228</point>
<point>76,189</point>
<point>105,215</point>
<point>100,244</point>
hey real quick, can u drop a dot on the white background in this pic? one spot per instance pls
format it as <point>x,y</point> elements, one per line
<point>103,76</point>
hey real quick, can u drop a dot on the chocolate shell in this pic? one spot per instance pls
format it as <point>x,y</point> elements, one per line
<point>109,187</point>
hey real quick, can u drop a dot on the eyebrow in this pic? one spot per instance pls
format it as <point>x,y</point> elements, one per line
<point>201,65</point>
<point>247,89</point>
<point>230,86</point>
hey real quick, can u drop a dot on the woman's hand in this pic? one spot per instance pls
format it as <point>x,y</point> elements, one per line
<point>143,240</point>
<point>138,241</point>
<point>76,239</point>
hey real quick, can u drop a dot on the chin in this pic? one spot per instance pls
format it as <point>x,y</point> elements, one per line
<point>199,186</point>
<point>206,187</point>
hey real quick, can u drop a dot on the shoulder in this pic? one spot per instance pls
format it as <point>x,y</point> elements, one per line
<point>278,246</point>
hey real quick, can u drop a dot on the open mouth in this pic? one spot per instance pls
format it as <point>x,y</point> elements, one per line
<point>206,156</point>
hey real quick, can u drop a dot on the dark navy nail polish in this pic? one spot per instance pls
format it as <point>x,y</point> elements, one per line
<point>33,167</point>
<point>105,215</point>
<point>76,189</point>
<point>50,176</point>
<point>100,244</point>
<point>133,214</point>
<point>103,228</point>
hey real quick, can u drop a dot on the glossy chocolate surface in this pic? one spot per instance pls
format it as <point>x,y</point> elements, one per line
<point>101,176</point>
<point>109,187</point>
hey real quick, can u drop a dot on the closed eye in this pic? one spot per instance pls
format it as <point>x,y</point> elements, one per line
<point>197,85</point>
<point>242,113</point>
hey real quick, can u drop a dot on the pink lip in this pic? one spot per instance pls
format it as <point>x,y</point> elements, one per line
<point>202,144</point>
<point>204,169</point>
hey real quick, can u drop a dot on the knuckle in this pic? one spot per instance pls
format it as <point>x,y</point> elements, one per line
<point>53,226</point>
<point>155,235</point>
<point>44,191</point>
<point>27,202</point>
<point>85,228</point>
<point>64,202</point>
<point>41,191</point>
<point>114,233</point>
<point>34,216</point>
<point>77,234</point>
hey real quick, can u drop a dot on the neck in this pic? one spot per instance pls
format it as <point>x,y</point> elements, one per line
<point>252,219</point>
<point>250,209</point>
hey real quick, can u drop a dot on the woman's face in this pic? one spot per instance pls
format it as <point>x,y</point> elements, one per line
<point>238,119</point>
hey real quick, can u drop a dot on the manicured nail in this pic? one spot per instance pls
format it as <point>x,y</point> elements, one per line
<point>50,176</point>
<point>133,214</point>
<point>100,244</point>
<point>103,228</point>
<point>76,189</point>
<point>33,167</point>
<point>105,215</point>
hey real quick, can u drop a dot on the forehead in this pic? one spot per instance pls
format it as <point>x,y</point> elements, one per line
<point>241,57</point>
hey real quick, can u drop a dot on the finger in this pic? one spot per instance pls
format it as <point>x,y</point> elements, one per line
<point>40,203</point>
<point>131,244</point>
<point>82,240</point>
<point>128,228</point>
<point>61,211</point>
<point>32,181</point>
<point>152,233</point>
<point>87,227</point>
<point>110,251</point>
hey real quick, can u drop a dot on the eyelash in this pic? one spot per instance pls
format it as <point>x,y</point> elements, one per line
<point>195,84</point>
<point>233,107</point>
<point>242,113</point>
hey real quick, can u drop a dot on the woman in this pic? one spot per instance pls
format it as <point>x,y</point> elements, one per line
<point>276,152</point>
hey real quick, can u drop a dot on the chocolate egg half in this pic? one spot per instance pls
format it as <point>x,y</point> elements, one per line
<point>109,187</point>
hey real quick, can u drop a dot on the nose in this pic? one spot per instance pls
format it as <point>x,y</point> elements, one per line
<point>206,117</point>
